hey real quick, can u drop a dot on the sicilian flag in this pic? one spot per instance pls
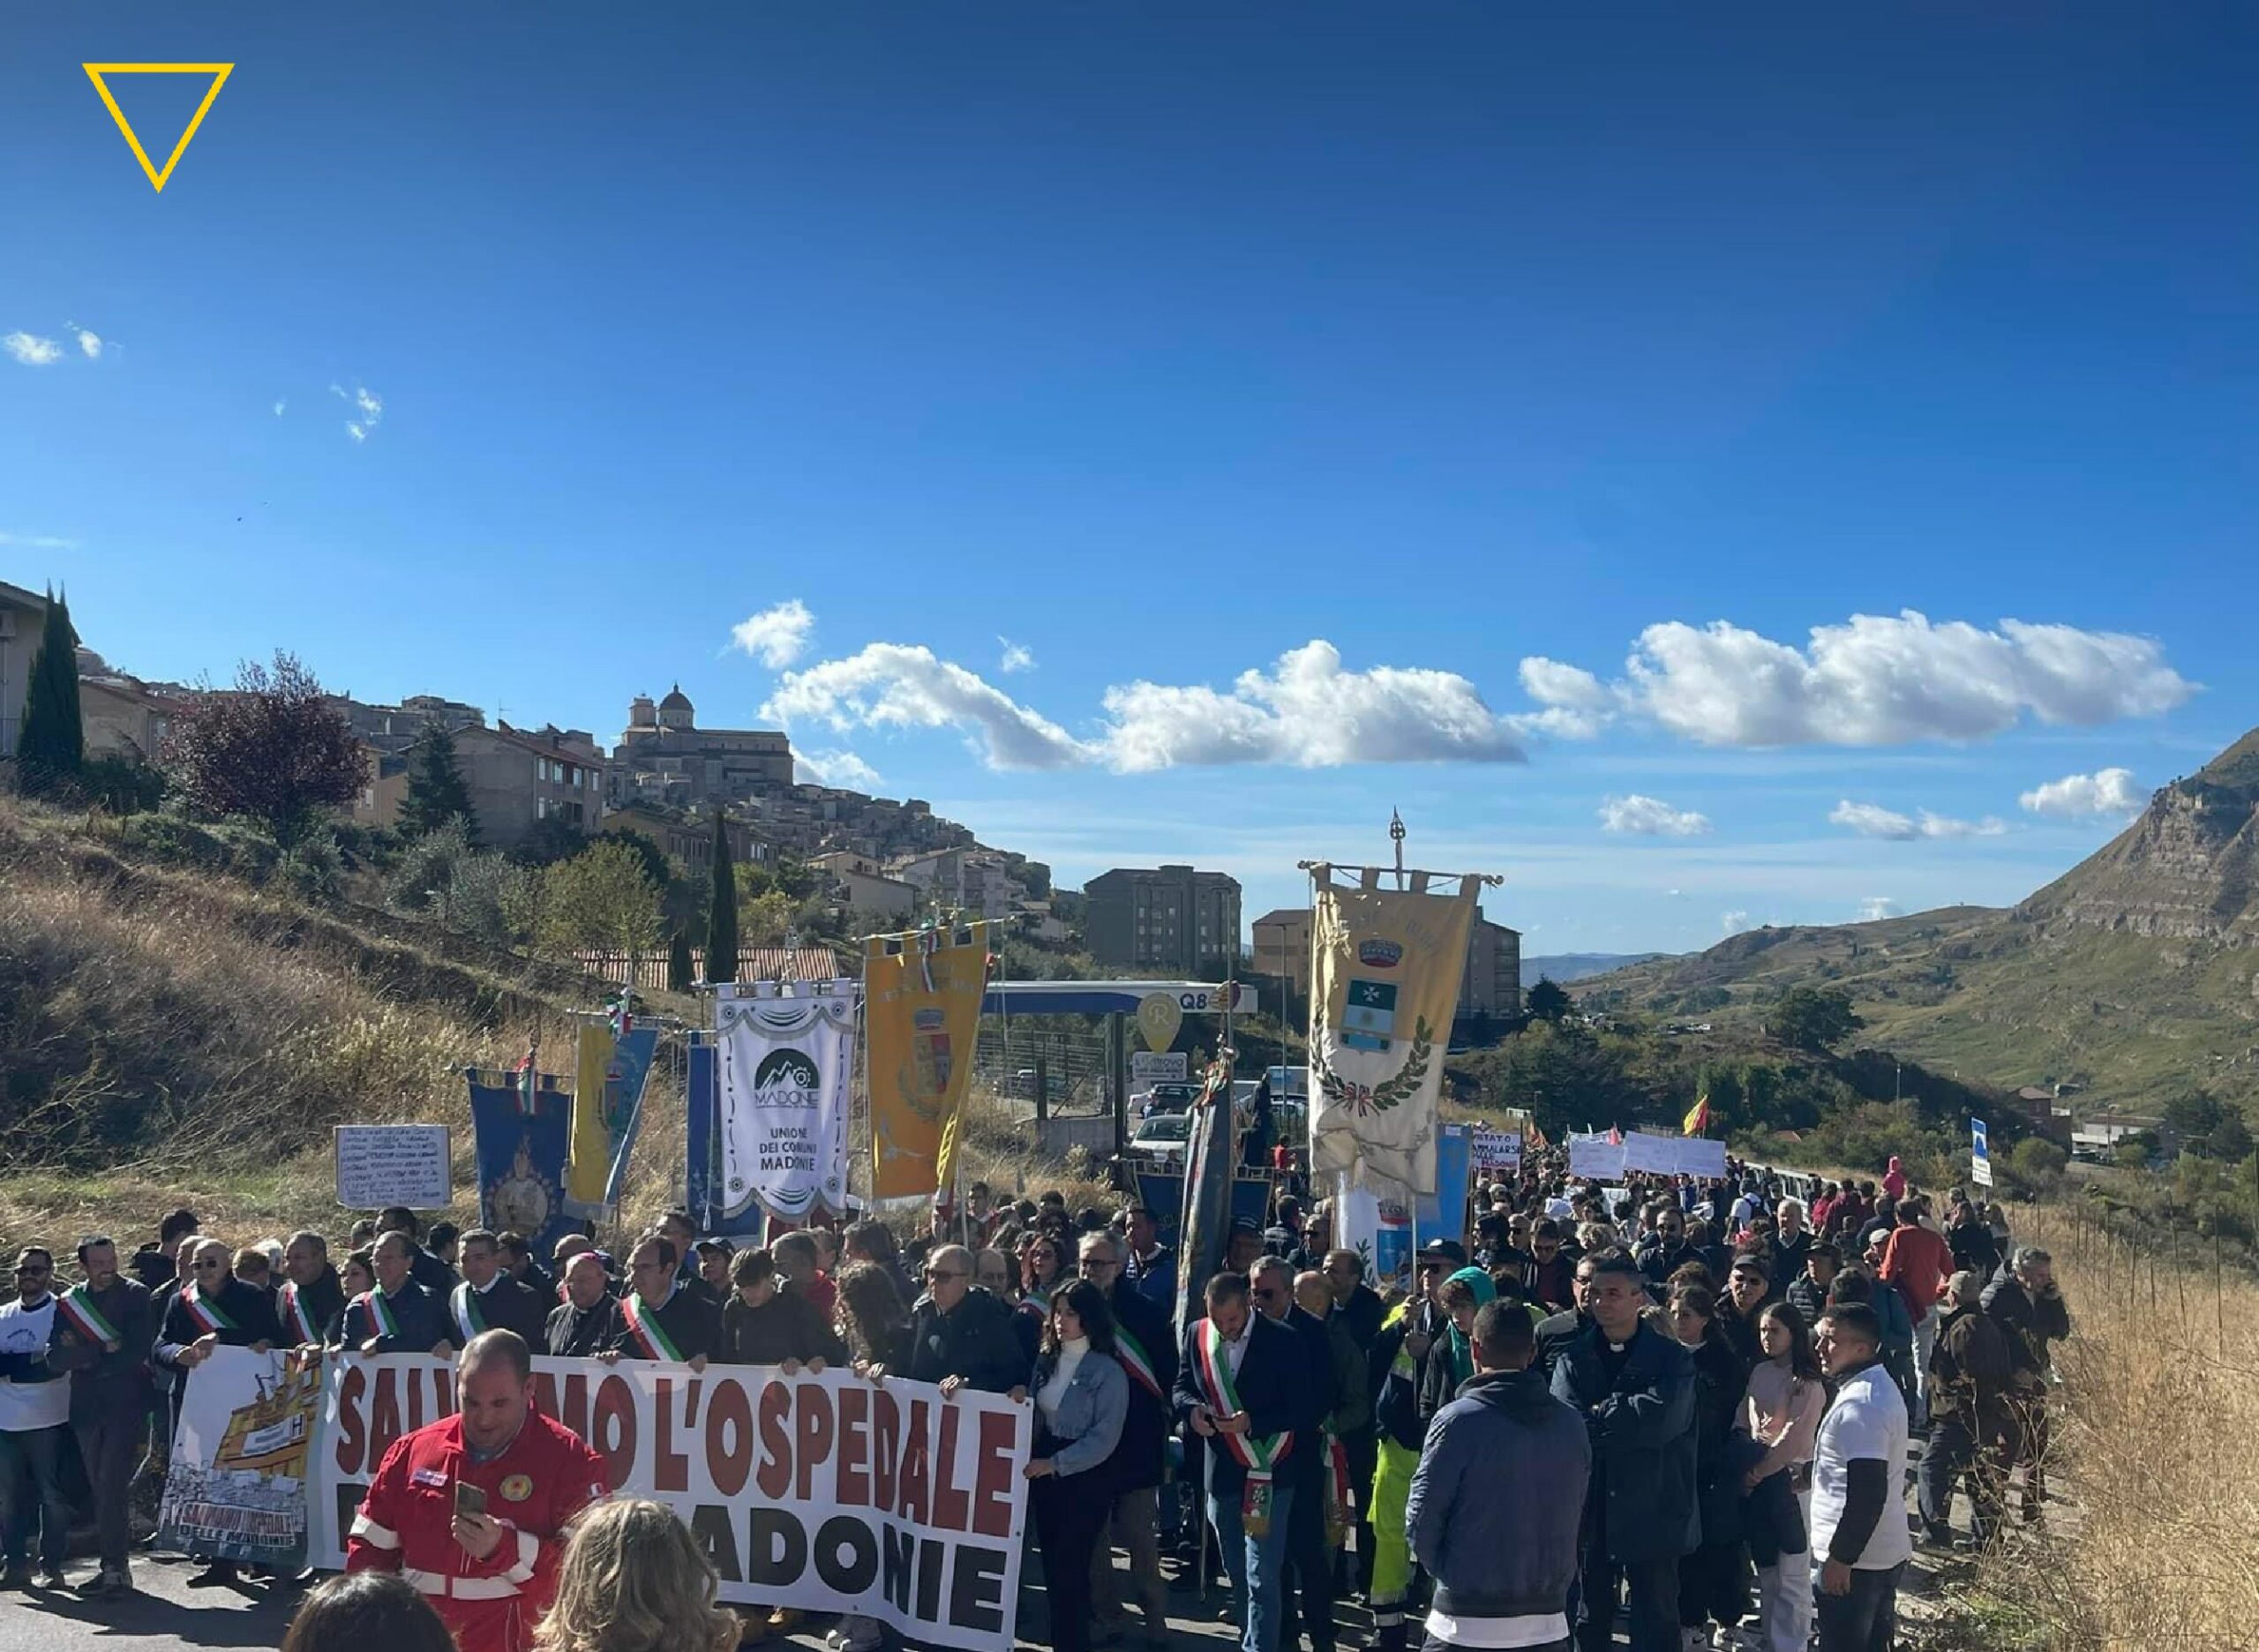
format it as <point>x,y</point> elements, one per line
<point>78,1307</point>
<point>297,1322</point>
<point>1697,1122</point>
<point>1135,1361</point>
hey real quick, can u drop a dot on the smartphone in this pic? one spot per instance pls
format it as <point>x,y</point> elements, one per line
<point>469,1499</point>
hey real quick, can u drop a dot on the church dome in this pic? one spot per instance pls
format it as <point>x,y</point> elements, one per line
<point>675,709</point>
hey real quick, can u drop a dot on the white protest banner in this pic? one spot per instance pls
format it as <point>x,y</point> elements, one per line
<point>1596,1160</point>
<point>379,1165</point>
<point>782,1077</point>
<point>1496,1153</point>
<point>1674,1155</point>
<point>828,1493</point>
<point>236,1489</point>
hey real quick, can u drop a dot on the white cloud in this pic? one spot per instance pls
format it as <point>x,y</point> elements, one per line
<point>368,410</point>
<point>1650,817</point>
<point>1307,713</point>
<point>1874,680</point>
<point>776,636</point>
<point>1874,908</point>
<point>90,343</point>
<point>836,768</point>
<point>280,403</point>
<point>31,351</point>
<point>2084,796</point>
<point>898,684</point>
<point>38,542</point>
<point>1733,922</point>
<point>1017,657</point>
<point>1872,820</point>
<point>1578,705</point>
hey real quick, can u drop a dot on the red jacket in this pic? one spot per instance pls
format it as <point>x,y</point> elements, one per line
<point>1918,1262</point>
<point>541,1479</point>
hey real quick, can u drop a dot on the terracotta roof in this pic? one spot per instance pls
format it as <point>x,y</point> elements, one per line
<point>807,964</point>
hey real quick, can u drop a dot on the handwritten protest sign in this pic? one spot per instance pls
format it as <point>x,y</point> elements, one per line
<point>394,1163</point>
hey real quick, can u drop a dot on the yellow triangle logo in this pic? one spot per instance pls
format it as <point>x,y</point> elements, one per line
<point>219,73</point>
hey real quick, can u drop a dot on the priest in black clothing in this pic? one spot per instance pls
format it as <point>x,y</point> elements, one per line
<point>491,1298</point>
<point>588,1321</point>
<point>661,1317</point>
<point>401,1315</point>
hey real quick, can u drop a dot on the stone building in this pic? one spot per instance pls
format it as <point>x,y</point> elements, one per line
<point>664,757</point>
<point>1177,923</point>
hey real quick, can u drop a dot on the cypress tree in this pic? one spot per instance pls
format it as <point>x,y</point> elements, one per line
<point>51,748</point>
<point>722,913</point>
<point>437,793</point>
<point>680,974</point>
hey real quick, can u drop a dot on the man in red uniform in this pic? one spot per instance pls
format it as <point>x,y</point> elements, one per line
<point>491,1575</point>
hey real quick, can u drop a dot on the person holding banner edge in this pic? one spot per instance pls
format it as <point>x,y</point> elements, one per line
<point>401,1315</point>
<point>490,1298</point>
<point>214,1310</point>
<point>310,1295</point>
<point>661,1317</point>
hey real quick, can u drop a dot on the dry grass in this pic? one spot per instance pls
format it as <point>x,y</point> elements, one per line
<point>2153,1444</point>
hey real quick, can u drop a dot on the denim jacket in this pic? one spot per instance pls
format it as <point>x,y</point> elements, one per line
<point>1090,1414</point>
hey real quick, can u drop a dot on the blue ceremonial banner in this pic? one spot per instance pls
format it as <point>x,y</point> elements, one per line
<point>1442,1213</point>
<point>624,1078</point>
<point>703,1186</point>
<point>522,1156</point>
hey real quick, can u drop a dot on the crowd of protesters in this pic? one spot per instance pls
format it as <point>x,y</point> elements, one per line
<point>1689,1409</point>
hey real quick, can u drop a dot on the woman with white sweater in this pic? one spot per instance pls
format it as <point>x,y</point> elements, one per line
<point>1780,1413</point>
<point>1082,1395</point>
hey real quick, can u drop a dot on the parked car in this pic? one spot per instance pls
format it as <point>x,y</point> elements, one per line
<point>1163,1137</point>
<point>1023,1086</point>
<point>1168,1096</point>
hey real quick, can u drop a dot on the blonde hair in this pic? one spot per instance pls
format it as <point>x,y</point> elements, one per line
<point>633,1581</point>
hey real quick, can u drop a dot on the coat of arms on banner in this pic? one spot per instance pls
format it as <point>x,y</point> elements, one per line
<point>929,1048</point>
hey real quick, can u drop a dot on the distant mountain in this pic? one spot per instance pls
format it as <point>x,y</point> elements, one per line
<point>2134,975</point>
<point>1561,968</point>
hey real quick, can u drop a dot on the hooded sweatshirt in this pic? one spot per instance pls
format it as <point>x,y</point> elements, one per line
<point>1451,1358</point>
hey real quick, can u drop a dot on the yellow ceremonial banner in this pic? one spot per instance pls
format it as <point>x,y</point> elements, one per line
<point>921,994</point>
<point>1386,971</point>
<point>591,1163</point>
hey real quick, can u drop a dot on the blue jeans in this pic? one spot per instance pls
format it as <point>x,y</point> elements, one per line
<point>31,1493</point>
<point>1256,1564</point>
<point>1859,1620</point>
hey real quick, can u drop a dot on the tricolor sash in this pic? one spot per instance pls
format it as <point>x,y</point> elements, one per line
<point>1259,1454</point>
<point>208,1313</point>
<point>78,1304</point>
<point>298,1324</point>
<point>468,1313</point>
<point>1337,1491</point>
<point>1137,1362</point>
<point>377,1314</point>
<point>649,1332</point>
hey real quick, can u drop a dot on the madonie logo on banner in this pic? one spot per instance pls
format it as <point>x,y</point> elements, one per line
<point>783,1068</point>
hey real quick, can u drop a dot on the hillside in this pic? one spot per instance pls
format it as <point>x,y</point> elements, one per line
<point>1561,968</point>
<point>2133,975</point>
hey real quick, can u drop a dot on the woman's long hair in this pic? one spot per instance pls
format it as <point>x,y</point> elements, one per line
<point>1803,1361</point>
<point>1087,1303</point>
<point>633,1581</point>
<point>868,1310</point>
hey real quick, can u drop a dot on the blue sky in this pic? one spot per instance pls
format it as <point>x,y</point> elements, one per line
<point>521,354</point>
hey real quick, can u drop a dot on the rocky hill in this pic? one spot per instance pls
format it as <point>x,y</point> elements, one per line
<point>2133,975</point>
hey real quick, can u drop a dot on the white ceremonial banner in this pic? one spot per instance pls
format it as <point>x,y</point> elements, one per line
<point>1675,1155</point>
<point>782,1075</point>
<point>828,1493</point>
<point>380,1164</point>
<point>1596,1160</point>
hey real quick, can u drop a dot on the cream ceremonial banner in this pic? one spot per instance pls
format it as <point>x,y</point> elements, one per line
<point>1385,972</point>
<point>829,1493</point>
<point>783,1068</point>
<point>922,994</point>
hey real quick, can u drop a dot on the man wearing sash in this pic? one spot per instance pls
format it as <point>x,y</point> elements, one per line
<point>491,1299</point>
<point>492,1573</point>
<point>212,1309</point>
<point>661,1317</point>
<point>102,1333</point>
<point>587,1322</point>
<point>1235,1389</point>
<point>431,1272</point>
<point>1308,1590</point>
<point>1148,1354</point>
<point>309,1295</point>
<point>400,1316</point>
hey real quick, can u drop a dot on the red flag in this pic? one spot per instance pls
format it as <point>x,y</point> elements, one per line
<point>1615,1137</point>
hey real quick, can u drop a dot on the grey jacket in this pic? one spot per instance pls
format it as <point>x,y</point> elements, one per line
<point>1498,1498</point>
<point>1088,1426</point>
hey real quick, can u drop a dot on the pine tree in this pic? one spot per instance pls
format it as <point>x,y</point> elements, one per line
<point>722,914</point>
<point>437,793</point>
<point>52,746</point>
<point>680,974</point>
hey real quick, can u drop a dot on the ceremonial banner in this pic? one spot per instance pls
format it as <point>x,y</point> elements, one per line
<point>1377,1224</point>
<point>1442,1214</point>
<point>826,1493</point>
<point>236,1489</point>
<point>609,1076</point>
<point>1385,967</point>
<point>523,1143</point>
<point>922,996</point>
<point>783,1064</point>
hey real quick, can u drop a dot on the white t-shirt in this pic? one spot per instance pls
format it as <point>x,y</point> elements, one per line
<point>26,1406</point>
<point>1867,1420</point>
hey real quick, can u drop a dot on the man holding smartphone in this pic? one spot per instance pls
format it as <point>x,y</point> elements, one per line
<point>470,1509</point>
